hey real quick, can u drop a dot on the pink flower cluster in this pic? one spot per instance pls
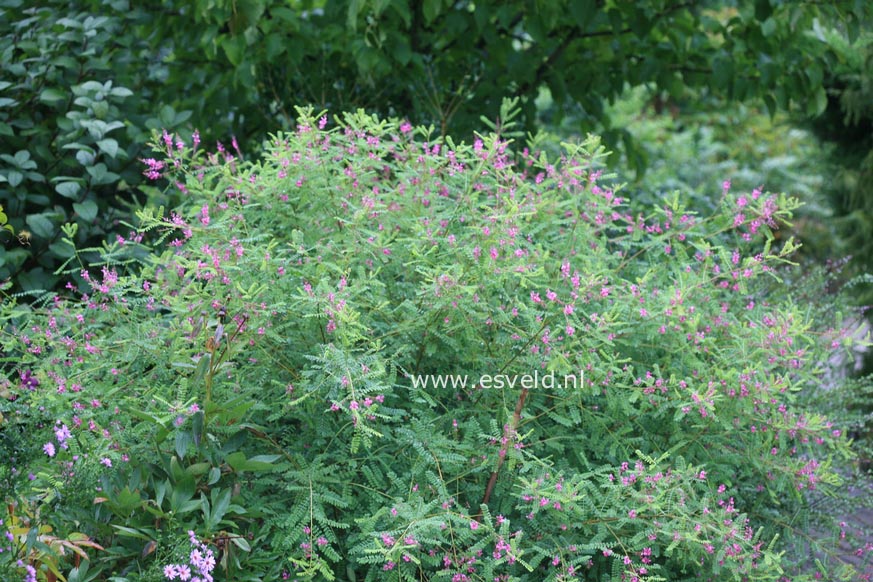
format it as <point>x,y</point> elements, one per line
<point>201,562</point>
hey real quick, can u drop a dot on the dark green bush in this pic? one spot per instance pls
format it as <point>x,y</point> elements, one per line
<point>81,88</point>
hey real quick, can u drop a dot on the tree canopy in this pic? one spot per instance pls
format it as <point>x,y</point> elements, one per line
<point>450,62</point>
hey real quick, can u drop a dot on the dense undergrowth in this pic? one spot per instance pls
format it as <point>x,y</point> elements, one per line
<point>379,355</point>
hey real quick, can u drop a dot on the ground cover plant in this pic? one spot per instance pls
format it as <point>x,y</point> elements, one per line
<point>318,368</point>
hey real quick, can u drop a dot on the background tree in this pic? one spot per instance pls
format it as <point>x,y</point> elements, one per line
<point>846,126</point>
<point>452,62</point>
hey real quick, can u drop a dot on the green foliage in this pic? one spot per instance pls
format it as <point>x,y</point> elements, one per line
<point>83,82</point>
<point>82,85</point>
<point>377,354</point>
<point>848,120</point>
<point>846,127</point>
<point>448,63</point>
<point>737,143</point>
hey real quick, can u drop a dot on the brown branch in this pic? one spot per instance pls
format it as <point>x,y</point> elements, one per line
<point>508,433</point>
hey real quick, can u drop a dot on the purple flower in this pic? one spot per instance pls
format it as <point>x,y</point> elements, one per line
<point>28,380</point>
<point>49,449</point>
<point>62,433</point>
<point>154,168</point>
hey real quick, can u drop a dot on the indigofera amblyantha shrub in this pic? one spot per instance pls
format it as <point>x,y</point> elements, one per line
<point>376,355</point>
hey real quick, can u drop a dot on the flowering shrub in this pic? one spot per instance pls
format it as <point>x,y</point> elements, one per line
<point>201,563</point>
<point>374,355</point>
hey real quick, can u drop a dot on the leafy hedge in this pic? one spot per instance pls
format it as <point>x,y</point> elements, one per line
<point>239,389</point>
